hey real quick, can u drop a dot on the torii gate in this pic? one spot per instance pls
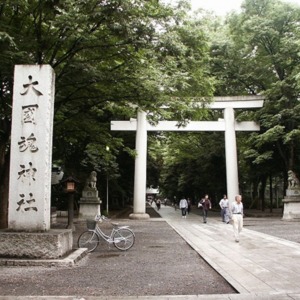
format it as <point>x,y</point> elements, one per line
<point>228,124</point>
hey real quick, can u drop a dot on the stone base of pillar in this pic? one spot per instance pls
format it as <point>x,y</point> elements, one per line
<point>52,244</point>
<point>89,204</point>
<point>291,208</point>
<point>139,216</point>
<point>89,210</point>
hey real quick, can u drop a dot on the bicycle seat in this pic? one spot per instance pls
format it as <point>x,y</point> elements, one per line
<point>117,225</point>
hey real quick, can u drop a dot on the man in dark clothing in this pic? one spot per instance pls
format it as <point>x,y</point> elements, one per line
<point>206,205</point>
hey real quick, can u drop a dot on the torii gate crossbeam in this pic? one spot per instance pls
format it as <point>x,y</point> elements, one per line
<point>229,125</point>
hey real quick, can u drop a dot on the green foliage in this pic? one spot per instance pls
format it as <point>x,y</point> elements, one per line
<point>254,52</point>
<point>109,57</point>
<point>112,57</point>
<point>260,55</point>
<point>292,136</point>
<point>270,136</point>
<point>191,164</point>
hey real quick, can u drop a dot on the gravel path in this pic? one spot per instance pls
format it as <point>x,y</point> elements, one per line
<point>160,263</point>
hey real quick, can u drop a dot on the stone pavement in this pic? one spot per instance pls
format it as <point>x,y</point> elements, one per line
<point>260,266</point>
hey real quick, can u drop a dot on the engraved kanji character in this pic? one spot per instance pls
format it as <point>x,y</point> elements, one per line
<point>29,113</point>
<point>24,144</point>
<point>30,201</point>
<point>29,85</point>
<point>27,174</point>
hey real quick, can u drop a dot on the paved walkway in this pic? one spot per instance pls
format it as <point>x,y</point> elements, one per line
<point>260,266</point>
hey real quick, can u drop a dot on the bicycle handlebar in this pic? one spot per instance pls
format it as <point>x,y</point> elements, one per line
<point>99,217</point>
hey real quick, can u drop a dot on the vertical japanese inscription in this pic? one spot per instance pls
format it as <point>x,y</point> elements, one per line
<point>27,171</point>
<point>31,148</point>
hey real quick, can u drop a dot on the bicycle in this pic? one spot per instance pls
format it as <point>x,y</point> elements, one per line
<point>121,237</point>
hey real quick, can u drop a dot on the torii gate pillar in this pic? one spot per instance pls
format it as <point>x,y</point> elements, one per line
<point>231,154</point>
<point>140,170</point>
<point>229,125</point>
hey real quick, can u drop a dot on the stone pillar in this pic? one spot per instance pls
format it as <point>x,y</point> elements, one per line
<point>89,204</point>
<point>29,234</point>
<point>140,171</point>
<point>31,148</point>
<point>231,155</point>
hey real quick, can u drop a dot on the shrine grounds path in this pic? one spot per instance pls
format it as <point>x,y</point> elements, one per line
<point>174,258</point>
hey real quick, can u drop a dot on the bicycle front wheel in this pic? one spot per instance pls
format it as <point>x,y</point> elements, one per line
<point>123,239</point>
<point>89,240</point>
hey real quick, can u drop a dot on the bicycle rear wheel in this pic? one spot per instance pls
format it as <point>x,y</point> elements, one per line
<point>123,239</point>
<point>88,239</point>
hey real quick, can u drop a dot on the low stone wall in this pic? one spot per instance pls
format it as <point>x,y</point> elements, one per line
<point>52,244</point>
<point>62,213</point>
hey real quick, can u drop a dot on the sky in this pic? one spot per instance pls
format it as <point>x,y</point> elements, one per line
<point>222,7</point>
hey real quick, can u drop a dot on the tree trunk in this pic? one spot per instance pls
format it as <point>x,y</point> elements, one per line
<point>4,170</point>
<point>254,195</point>
<point>4,182</point>
<point>262,189</point>
<point>271,193</point>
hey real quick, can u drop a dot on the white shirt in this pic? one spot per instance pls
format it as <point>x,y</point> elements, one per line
<point>223,203</point>
<point>237,208</point>
<point>183,203</point>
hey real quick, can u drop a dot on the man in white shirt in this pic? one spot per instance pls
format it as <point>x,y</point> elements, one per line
<point>224,204</point>
<point>183,205</point>
<point>237,211</point>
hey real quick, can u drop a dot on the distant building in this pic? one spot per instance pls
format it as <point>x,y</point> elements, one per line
<point>151,193</point>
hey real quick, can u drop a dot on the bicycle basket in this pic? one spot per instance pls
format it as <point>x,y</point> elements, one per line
<point>91,224</point>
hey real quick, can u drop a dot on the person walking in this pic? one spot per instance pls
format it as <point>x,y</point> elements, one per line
<point>158,203</point>
<point>183,205</point>
<point>237,211</point>
<point>189,207</point>
<point>206,205</point>
<point>175,203</point>
<point>224,204</point>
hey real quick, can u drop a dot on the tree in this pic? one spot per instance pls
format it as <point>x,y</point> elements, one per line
<point>260,56</point>
<point>255,52</point>
<point>108,57</point>
<point>192,164</point>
